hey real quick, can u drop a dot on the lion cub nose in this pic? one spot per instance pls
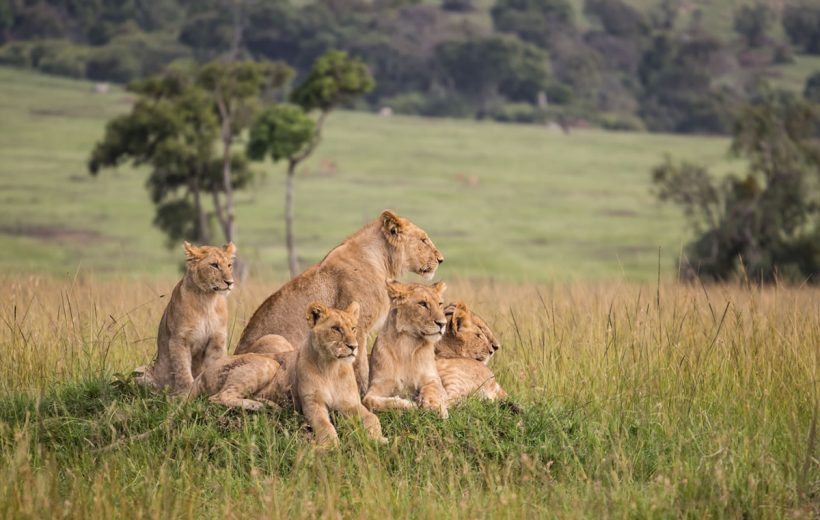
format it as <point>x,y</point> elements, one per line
<point>353,346</point>
<point>228,282</point>
<point>441,324</point>
<point>440,259</point>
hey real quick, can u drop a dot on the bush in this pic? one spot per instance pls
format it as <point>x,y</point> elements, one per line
<point>621,122</point>
<point>802,24</point>
<point>65,60</point>
<point>17,54</point>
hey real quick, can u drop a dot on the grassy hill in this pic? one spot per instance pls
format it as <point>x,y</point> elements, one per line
<point>504,201</point>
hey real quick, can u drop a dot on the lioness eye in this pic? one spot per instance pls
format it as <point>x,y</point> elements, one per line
<point>424,304</point>
<point>215,265</point>
<point>337,329</point>
<point>230,265</point>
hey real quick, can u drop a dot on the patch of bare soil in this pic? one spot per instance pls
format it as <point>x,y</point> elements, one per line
<point>60,234</point>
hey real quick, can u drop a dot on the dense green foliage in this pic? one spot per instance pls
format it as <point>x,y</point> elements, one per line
<point>619,64</point>
<point>765,224</point>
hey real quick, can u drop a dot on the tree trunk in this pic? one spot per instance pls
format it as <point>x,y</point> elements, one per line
<point>293,262</point>
<point>228,224</point>
<point>200,225</point>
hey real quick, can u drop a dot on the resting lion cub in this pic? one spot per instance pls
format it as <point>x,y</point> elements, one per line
<point>462,354</point>
<point>403,361</point>
<point>192,334</point>
<point>324,378</point>
<point>251,380</point>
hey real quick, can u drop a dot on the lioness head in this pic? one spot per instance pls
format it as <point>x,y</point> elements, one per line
<point>467,335</point>
<point>411,245</point>
<point>210,268</point>
<point>334,331</point>
<point>419,310</point>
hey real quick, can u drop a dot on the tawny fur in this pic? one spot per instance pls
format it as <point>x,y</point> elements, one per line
<point>324,380</point>
<point>192,334</point>
<point>250,380</point>
<point>467,345</point>
<point>403,362</point>
<point>356,270</point>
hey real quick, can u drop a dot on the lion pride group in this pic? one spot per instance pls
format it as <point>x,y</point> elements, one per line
<point>306,345</point>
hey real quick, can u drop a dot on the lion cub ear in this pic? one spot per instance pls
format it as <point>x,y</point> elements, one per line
<point>460,318</point>
<point>353,310</point>
<point>440,287</point>
<point>315,312</point>
<point>396,290</point>
<point>230,249</point>
<point>392,225</point>
<point>192,252</point>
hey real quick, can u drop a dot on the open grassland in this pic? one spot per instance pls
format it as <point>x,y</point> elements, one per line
<point>638,401</point>
<point>510,202</point>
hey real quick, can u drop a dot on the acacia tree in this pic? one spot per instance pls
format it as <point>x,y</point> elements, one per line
<point>172,128</point>
<point>287,132</point>
<point>235,88</point>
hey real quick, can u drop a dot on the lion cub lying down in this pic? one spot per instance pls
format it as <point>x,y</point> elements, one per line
<point>192,334</point>
<point>317,379</point>
<point>403,362</point>
<point>462,354</point>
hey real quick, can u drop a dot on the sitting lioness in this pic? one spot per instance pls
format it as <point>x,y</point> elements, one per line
<point>462,354</point>
<point>403,362</point>
<point>355,270</point>
<point>192,334</point>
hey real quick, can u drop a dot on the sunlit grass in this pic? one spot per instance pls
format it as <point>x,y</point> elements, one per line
<point>637,400</point>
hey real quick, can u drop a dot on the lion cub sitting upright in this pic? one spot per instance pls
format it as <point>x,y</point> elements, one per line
<point>193,331</point>
<point>403,362</point>
<point>462,356</point>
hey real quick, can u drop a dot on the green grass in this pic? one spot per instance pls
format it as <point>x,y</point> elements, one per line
<point>546,205</point>
<point>638,402</point>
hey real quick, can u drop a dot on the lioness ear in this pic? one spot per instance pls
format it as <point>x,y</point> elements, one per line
<point>396,290</point>
<point>353,310</point>
<point>315,312</point>
<point>192,252</point>
<point>440,287</point>
<point>460,317</point>
<point>392,225</point>
<point>230,249</point>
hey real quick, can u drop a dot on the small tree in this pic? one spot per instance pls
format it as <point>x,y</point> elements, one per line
<point>172,128</point>
<point>287,131</point>
<point>768,221</point>
<point>801,21</point>
<point>752,22</point>
<point>235,88</point>
<point>812,89</point>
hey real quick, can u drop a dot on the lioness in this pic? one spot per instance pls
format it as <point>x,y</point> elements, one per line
<point>403,361</point>
<point>192,334</point>
<point>462,354</point>
<point>355,270</point>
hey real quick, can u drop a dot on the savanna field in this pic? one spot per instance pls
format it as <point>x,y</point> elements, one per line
<point>639,396</point>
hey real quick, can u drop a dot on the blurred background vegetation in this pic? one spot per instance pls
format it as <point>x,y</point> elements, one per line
<point>195,91</point>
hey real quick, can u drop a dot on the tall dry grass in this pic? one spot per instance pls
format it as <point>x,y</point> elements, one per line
<point>639,400</point>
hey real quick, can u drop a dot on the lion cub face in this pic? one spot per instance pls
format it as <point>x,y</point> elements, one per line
<point>412,244</point>
<point>210,268</point>
<point>419,309</point>
<point>467,336</point>
<point>334,331</point>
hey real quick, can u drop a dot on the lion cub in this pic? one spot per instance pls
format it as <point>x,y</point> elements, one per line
<point>324,379</point>
<point>250,380</point>
<point>462,354</point>
<point>192,334</point>
<point>403,362</point>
